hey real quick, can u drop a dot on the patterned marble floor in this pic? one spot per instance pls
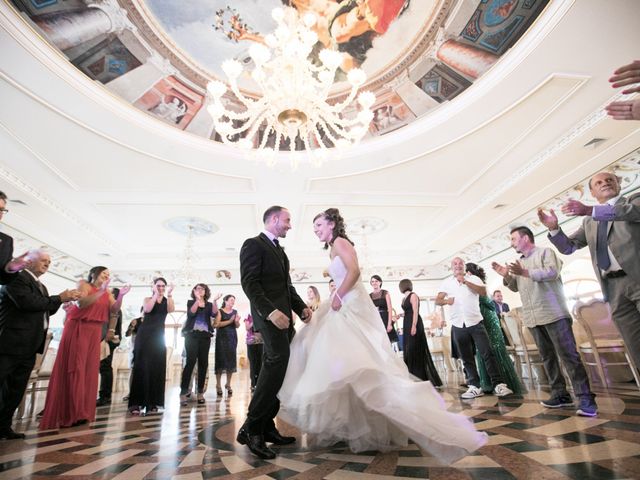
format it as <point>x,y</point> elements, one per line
<point>527,441</point>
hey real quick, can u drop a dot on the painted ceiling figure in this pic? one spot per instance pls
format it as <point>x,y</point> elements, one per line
<point>172,111</point>
<point>357,22</point>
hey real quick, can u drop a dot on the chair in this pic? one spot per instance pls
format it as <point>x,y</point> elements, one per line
<point>523,343</point>
<point>38,374</point>
<point>594,317</point>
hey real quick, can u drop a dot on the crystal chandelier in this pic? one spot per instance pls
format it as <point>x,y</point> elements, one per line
<point>293,111</point>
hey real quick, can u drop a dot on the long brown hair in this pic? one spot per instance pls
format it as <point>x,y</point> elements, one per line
<point>333,215</point>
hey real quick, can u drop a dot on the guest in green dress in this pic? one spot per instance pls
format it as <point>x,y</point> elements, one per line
<point>496,339</point>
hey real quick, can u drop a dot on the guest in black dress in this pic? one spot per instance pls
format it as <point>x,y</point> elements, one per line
<point>227,321</point>
<point>197,332</point>
<point>382,301</point>
<point>150,352</point>
<point>416,350</point>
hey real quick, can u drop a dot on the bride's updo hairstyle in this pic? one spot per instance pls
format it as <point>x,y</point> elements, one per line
<point>333,215</point>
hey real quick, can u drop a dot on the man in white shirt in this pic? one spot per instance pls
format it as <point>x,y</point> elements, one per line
<point>611,230</point>
<point>462,293</point>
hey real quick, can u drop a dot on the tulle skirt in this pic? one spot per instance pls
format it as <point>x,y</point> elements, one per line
<point>345,383</point>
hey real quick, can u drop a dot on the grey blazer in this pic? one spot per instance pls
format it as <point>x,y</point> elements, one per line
<point>623,239</point>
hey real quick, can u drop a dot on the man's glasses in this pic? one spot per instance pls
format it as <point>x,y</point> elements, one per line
<point>4,210</point>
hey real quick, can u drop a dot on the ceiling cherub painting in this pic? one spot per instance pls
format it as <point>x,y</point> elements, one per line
<point>369,33</point>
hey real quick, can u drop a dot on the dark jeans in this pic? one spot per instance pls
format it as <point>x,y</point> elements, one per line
<point>467,340</point>
<point>106,373</point>
<point>196,345</point>
<point>14,377</point>
<point>254,352</point>
<point>555,340</point>
<point>264,404</point>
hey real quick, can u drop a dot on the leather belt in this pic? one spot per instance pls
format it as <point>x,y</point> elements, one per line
<point>616,274</point>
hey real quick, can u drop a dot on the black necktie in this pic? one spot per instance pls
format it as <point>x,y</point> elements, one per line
<point>602,251</point>
<point>276,242</point>
<point>45,293</point>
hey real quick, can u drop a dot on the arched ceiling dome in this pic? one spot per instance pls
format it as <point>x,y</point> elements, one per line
<point>158,55</point>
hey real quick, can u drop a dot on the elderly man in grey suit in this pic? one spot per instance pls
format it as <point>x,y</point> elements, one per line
<point>612,232</point>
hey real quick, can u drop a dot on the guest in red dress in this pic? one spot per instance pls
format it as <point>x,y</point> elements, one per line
<point>71,396</point>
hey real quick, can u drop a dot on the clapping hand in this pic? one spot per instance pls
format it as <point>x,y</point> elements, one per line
<point>124,290</point>
<point>69,295</point>
<point>502,270</point>
<point>574,208</point>
<point>170,289</point>
<point>20,262</point>
<point>627,75</point>
<point>549,220</point>
<point>217,297</point>
<point>516,268</point>
<point>623,76</point>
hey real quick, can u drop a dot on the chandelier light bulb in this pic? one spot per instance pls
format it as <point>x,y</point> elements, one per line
<point>309,37</point>
<point>216,88</point>
<point>271,40</point>
<point>232,68</point>
<point>259,53</point>
<point>366,99</point>
<point>309,19</point>
<point>258,75</point>
<point>356,77</point>
<point>330,58</point>
<point>282,33</point>
<point>277,14</point>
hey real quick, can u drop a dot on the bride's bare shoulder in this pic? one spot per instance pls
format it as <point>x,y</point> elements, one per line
<point>342,245</point>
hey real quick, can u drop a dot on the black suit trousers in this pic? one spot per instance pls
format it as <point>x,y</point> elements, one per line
<point>14,377</point>
<point>264,404</point>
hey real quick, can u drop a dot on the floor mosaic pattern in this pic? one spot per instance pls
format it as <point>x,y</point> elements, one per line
<point>527,441</point>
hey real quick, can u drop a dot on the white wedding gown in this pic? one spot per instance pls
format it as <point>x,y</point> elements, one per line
<point>345,383</point>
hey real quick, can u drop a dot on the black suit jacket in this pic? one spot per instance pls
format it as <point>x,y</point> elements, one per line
<point>264,275</point>
<point>22,309</point>
<point>6,254</point>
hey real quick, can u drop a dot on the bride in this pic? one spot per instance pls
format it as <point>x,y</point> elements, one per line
<point>345,383</point>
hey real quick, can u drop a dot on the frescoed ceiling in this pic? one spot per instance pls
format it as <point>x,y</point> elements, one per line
<point>417,53</point>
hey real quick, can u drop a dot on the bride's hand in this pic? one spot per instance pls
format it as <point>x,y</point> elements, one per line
<point>414,330</point>
<point>336,301</point>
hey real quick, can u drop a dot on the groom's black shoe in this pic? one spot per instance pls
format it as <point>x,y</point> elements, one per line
<point>274,437</point>
<point>256,444</point>
<point>8,434</point>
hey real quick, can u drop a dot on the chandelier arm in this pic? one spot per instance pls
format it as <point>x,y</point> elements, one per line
<point>246,101</point>
<point>338,107</point>
<point>327,132</point>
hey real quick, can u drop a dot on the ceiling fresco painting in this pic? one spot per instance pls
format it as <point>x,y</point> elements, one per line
<point>158,55</point>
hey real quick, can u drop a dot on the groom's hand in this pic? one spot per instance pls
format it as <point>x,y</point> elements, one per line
<point>279,319</point>
<point>306,315</point>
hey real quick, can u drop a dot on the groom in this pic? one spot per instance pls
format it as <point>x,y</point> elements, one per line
<point>264,274</point>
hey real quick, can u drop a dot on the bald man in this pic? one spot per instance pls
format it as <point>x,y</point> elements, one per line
<point>611,230</point>
<point>25,307</point>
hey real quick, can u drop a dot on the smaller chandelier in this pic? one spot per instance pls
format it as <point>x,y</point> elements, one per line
<point>293,111</point>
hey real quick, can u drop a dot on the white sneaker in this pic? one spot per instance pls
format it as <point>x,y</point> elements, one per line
<point>502,390</point>
<point>473,392</point>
